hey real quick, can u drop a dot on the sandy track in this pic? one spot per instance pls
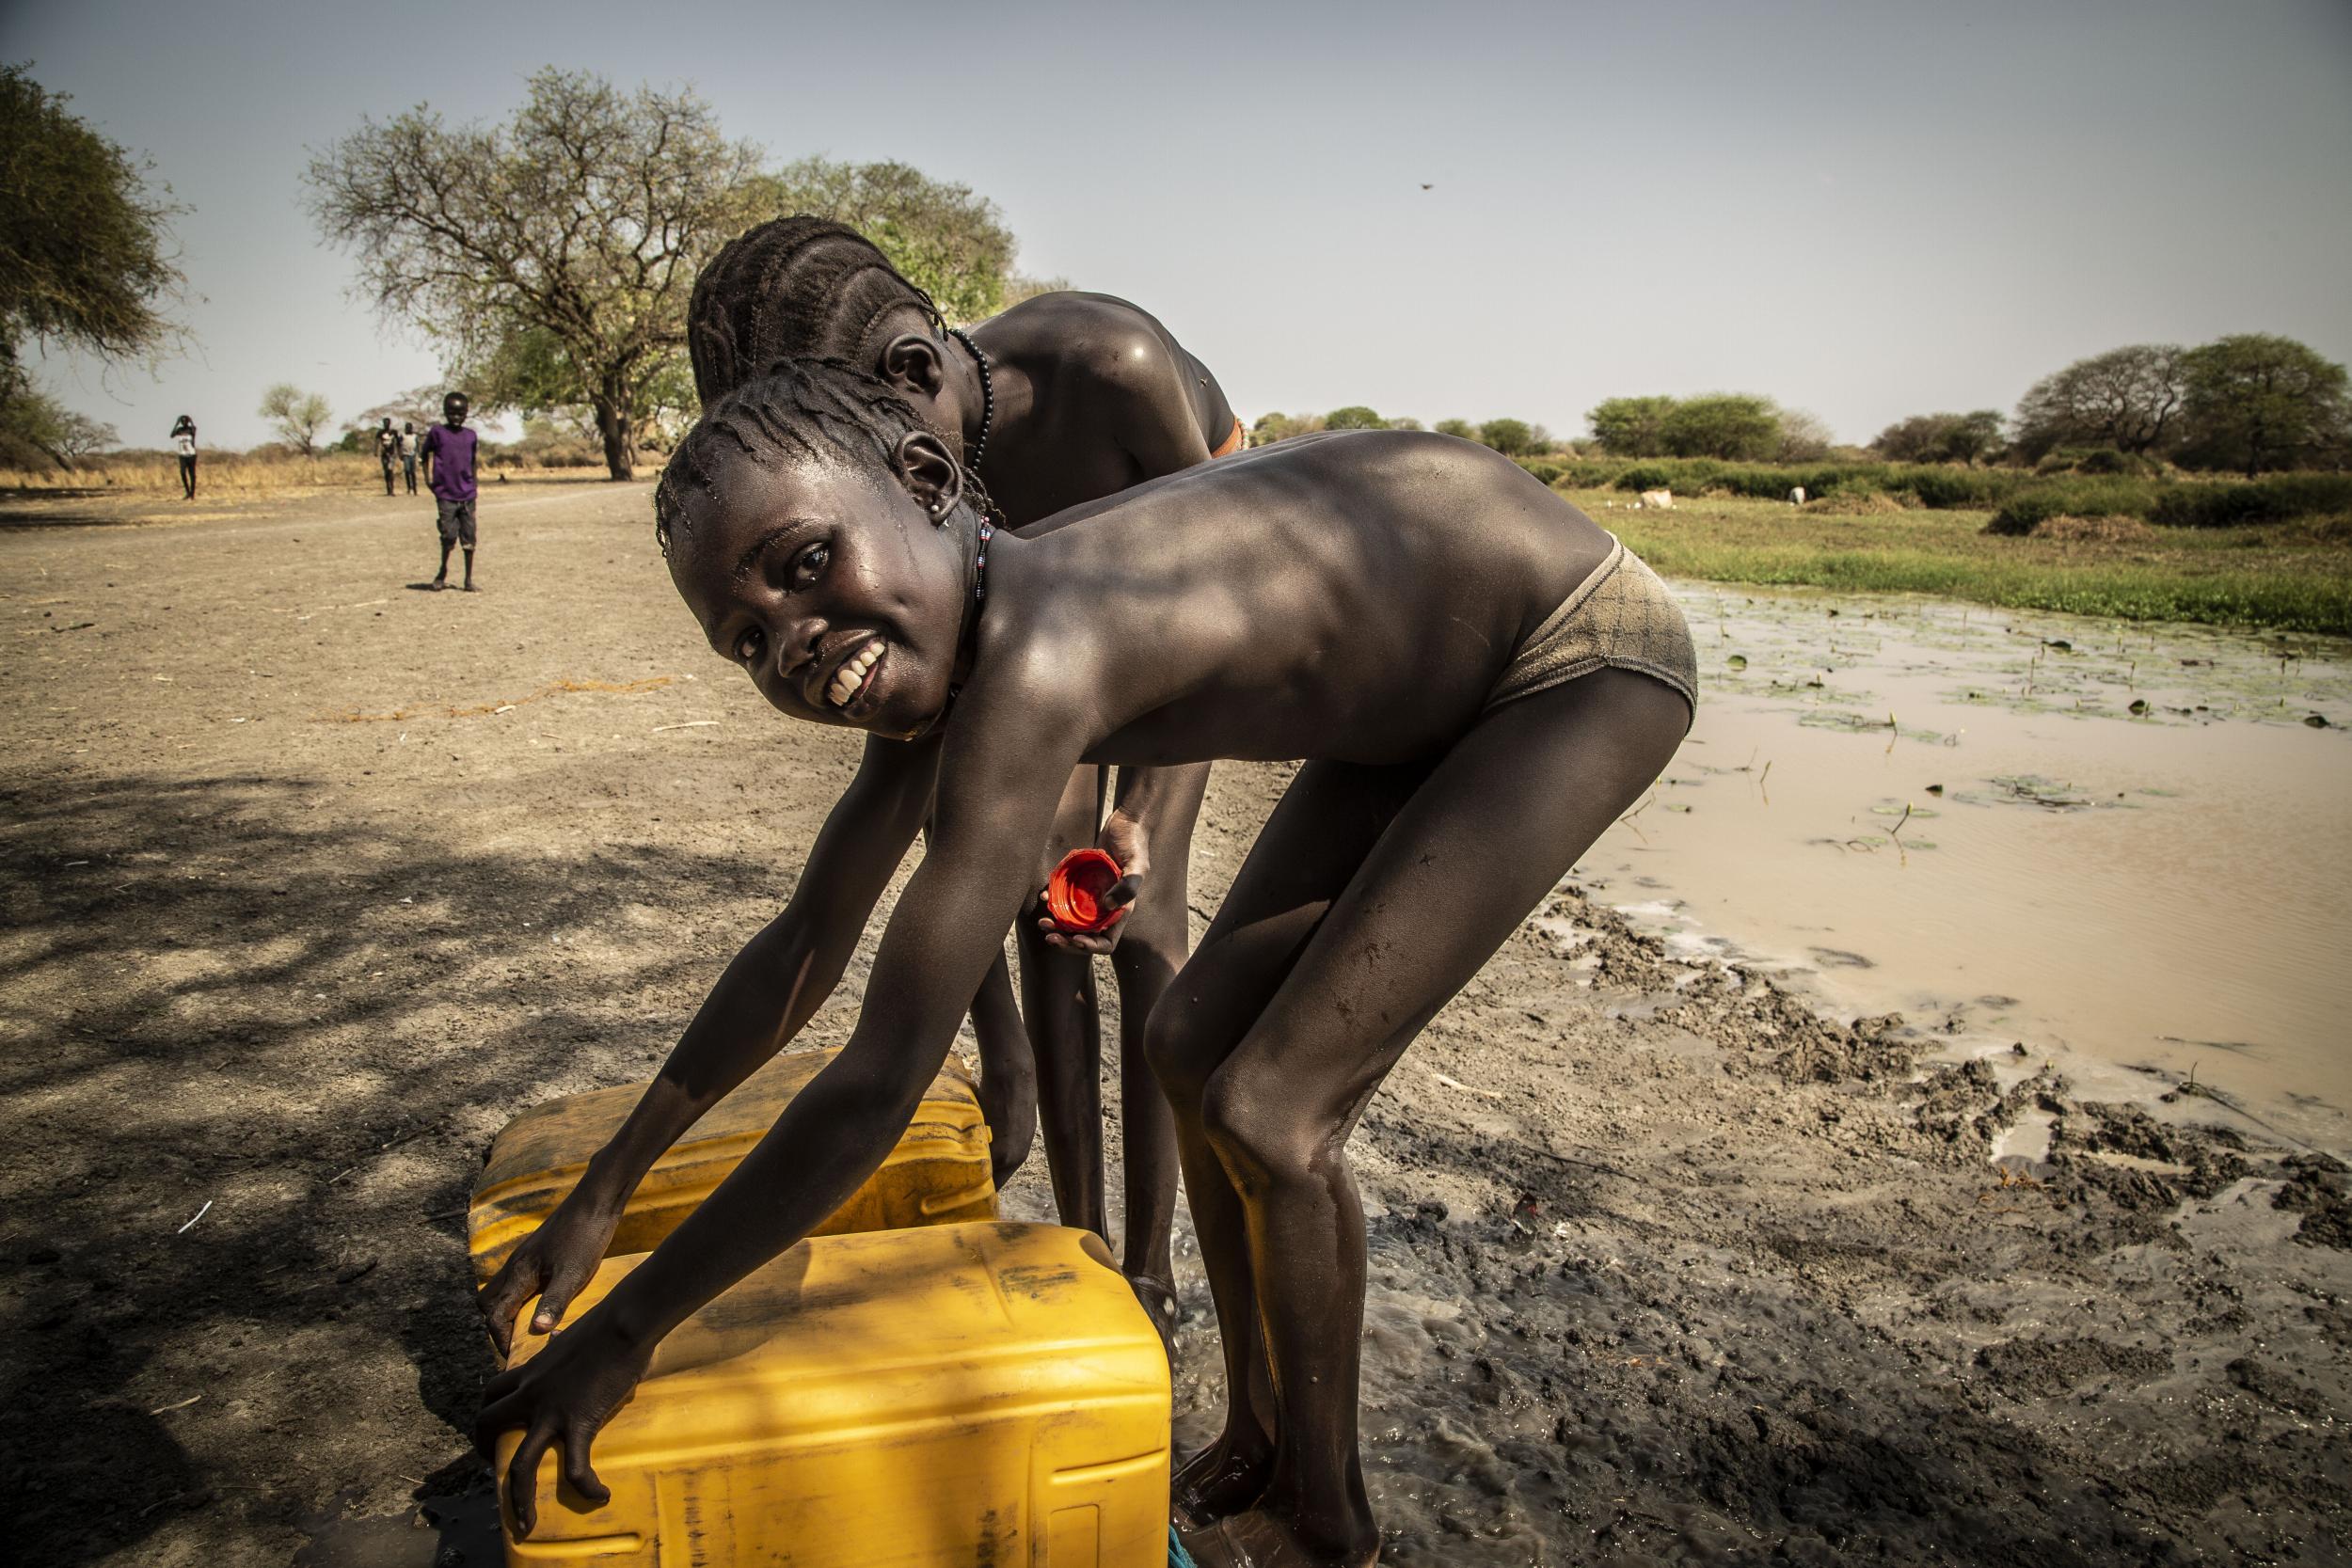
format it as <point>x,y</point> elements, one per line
<point>1665,1267</point>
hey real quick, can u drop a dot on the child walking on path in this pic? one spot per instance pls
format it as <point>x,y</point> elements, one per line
<point>184,443</point>
<point>409,455</point>
<point>449,453</point>
<point>387,452</point>
<point>1478,678</point>
<point>1063,399</point>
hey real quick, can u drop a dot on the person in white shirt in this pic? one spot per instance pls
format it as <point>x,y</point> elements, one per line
<point>183,442</point>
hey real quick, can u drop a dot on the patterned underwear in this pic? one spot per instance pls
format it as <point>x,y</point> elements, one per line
<point>1622,617</point>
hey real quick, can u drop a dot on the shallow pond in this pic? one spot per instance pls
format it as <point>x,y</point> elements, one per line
<point>2133,842</point>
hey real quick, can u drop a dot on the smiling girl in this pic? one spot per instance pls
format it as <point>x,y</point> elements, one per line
<point>1478,679</point>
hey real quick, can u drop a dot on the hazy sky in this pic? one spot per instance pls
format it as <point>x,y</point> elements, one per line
<point>1866,208</point>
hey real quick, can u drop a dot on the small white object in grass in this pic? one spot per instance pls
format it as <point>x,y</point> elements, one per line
<point>168,1409</point>
<point>192,1219</point>
<point>690,725</point>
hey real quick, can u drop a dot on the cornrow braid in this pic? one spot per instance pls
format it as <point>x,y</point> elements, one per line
<point>802,411</point>
<point>793,287</point>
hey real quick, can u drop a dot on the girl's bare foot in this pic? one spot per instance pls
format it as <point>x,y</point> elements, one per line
<point>1218,1481</point>
<point>1159,1303</point>
<point>1255,1539</point>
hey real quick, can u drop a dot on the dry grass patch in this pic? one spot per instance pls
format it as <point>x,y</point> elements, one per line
<point>2113,529</point>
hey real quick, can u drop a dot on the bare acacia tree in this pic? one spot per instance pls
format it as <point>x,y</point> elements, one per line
<point>2126,398</point>
<point>551,257</point>
<point>298,416</point>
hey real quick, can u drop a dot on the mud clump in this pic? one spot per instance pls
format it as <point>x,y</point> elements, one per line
<point>1959,1099</point>
<point>2274,1387</point>
<point>1873,1050</point>
<point>1962,1103</point>
<point>2038,1368</point>
<point>2318,1188</point>
<point>1766,1028</point>
<point>2205,1160</point>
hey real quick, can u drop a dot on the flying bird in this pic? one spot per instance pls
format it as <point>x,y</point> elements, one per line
<point>1425,185</point>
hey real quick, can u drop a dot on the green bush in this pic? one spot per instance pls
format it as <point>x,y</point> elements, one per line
<point>1946,488</point>
<point>1549,472</point>
<point>2097,460</point>
<point>1929,484</point>
<point>2074,498</point>
<point>2275,499</point>
<point>1689,476</point>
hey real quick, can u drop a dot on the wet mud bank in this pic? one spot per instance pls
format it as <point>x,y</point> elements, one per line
<point>1672,1268</point>
<point>2126,842</point>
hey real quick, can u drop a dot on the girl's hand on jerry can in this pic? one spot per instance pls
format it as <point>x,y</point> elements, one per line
<point>562,1396</point>
<point>554,1264</point>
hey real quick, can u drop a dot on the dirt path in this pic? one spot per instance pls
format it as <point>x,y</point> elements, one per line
<point>313,880</point>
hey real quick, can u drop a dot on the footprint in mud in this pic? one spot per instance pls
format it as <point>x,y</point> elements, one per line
<point>1837,958</point>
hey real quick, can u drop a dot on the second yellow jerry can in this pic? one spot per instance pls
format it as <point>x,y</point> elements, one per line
<point>938,1398</point>
<point>937,1175</point>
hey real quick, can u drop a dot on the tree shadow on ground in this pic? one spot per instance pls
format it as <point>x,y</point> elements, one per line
<point>214,993</point>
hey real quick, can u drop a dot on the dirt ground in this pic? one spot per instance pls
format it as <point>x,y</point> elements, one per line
<point>312,880</point>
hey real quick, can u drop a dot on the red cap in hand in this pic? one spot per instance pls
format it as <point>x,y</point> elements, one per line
<point>1075,892</point>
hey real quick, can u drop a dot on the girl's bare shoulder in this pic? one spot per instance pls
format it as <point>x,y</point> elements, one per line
<point>1101,334</point>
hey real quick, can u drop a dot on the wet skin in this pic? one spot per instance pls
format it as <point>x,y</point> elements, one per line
<point>1093,396</point>
<point>1348,599</point>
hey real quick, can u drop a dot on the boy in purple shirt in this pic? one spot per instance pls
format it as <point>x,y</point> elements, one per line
<point>448,450</point>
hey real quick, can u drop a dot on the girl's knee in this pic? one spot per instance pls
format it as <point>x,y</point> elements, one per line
<point>1146,952</point>
<point>1182,1055</point>
<point>1259,1129</point>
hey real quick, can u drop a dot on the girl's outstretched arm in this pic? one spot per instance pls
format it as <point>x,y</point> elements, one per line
<point>775,984</point>
<point>946,930</point>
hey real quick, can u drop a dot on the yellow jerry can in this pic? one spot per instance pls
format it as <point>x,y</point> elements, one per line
<point>938,1398</point>
<point>938,1174</point>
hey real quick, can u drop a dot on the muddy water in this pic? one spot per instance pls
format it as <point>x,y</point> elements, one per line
<point>2127,842</point>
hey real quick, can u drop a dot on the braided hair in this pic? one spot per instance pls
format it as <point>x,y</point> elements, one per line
<point>794,288</point>
<point>802,411</point>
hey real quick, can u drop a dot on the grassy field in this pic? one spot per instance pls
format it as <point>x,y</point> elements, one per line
<point>2288,577</point>
<point>258,473</point>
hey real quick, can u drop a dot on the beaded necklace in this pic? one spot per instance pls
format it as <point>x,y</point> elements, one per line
<point>980,561</point>
<point>988,396</point>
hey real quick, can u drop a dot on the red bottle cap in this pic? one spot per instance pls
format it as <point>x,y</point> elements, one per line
<point>1075,892</point>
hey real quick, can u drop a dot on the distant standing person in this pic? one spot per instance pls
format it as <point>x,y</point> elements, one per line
<point>183,442</point>
<point>409,454</point>
<point>387,452</point>
<point>449,453</point>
